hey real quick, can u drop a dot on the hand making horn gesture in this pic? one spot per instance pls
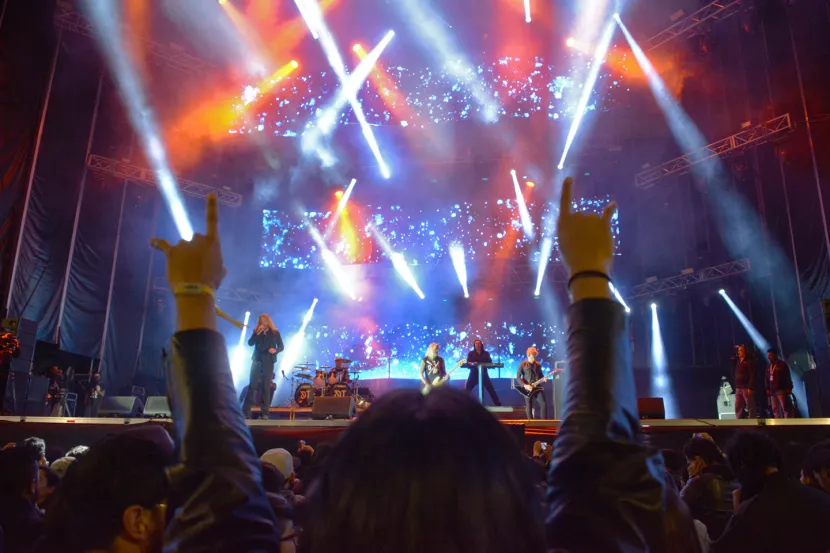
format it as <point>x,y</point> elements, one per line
<point>585,242</point>
<point>195,268</point>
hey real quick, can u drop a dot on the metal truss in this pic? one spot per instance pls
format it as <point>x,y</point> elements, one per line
<point>160,284</point>
<point>172,56</point>
<point>690,26</point>
<point>746,138</point>
<point>124,170</point>
<point>682,281</point>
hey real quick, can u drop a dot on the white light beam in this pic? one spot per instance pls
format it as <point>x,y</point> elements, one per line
<point>524,215</point>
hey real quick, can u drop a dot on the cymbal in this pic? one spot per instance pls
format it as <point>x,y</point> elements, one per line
<point>325,367</point>
<point>304,376</point>
<point>303,365</point>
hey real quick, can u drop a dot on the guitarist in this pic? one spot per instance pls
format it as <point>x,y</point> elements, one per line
<point>432,366</point>
<point>530,371</point>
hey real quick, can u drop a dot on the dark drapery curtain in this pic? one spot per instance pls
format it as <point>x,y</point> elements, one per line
<point>44,247</point>
<point>27,45</point>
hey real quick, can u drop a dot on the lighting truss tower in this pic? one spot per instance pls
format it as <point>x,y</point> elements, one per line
<point>754,136</point>
<point>172,56</point>
<point>128,171</point>
<point>656,287</point>
<point>691,25</point>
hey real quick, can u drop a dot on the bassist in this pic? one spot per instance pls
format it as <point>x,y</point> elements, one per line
<point>530,372</point>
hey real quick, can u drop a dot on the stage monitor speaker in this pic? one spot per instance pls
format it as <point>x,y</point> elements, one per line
<point>331,407</point>
<point>120,406</point>
<point>157,407</point>
<point>651,408</point>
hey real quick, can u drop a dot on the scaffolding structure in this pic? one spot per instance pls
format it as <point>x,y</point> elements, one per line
<point>681,281</point>
<point>128,171</point>
<point>692,25</point>
<point>172,55</point>
<point>750,137</point>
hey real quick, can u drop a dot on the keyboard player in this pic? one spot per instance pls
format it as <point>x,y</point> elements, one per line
<point>476,357</point>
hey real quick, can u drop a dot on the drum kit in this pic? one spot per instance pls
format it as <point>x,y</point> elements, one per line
<point>340,380</point>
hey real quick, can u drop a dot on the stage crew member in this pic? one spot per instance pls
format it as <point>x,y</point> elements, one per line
<point>267,343</point>
<point>530,371</point>
<point>779,385</point>
<point>745,385</point>
<point>432,366</point>
<point>476,357</point>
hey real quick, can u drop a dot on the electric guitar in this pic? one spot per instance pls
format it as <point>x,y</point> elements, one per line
<point>533,385</point>
<point>439,381</point>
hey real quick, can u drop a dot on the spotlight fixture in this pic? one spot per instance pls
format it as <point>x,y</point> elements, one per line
<point>223,2</point>
<point>295,64</point>
<point>654,306</point>
<point>722,292</point>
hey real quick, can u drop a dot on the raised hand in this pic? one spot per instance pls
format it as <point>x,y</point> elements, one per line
<point>198,261</point>
<point>585,240</point>
<point>194,270</point>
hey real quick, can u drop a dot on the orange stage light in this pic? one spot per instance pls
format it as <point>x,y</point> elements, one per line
<point>530,184</point>
<point>223,2</point>
<point>357,48</point>
<point>294,64</point>
<point>338,194</point>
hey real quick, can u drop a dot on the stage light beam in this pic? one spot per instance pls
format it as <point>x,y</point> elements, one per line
<point>460,266</point>
<point>619,297</point>
<point>660,378</point>
<point>524,215</point>
<point>398,261</point>
<point>588,88</point>
<point>349,84</point>
<point>124,69</point>
<point>757,338</point>
<point>240,355</point>
<point>527,11</point>
<point>544,256</point>
<point>304,13</point>
<point>295,346</point>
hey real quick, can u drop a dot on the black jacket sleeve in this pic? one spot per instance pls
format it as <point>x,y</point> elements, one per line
<point>279,345</point>
<point>216,490</point>
<point>252,340</point>
<point>605,489</point>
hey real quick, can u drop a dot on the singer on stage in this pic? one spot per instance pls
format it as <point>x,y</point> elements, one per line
<point>267,343</point>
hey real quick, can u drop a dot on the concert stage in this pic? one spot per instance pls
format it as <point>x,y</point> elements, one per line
<point>794,436</point>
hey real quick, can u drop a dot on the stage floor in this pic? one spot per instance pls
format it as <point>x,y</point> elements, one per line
<point>65,433</point>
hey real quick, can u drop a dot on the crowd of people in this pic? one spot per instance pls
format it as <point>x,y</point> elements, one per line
<point>416,471</point>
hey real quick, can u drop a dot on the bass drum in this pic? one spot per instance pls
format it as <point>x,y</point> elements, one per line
<point>341,389</point>
<point>304,395</point>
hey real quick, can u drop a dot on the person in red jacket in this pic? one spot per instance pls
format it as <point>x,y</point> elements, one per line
<point>779,385</point>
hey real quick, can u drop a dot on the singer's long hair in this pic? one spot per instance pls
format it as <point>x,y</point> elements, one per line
<point>265,320</point>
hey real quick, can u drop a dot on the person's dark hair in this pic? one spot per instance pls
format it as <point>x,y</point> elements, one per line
<point>272,479</point>
<point>78,452</point>
<point>18,471</point>
<point>672,460</point>
<point>36,448</point>
<point>817,458</point>
<point>402,474</point>
<point>321,453</point>
<point>305,454</point>
<point>749,454</point>
<point>120,471</point>
<point>52,478</point>
<point>704,448</point>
